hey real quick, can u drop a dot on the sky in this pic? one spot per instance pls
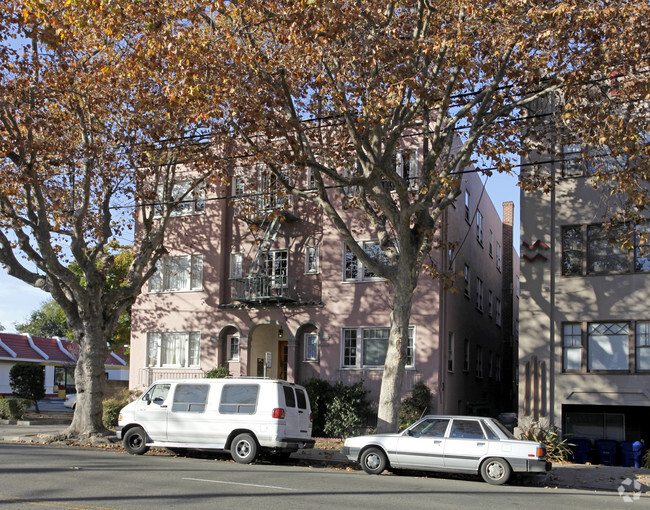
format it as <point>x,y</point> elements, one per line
<point>18,300</point>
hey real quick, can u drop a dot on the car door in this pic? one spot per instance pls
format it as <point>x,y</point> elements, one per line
<point>151,411</point>
<point>422,446</point>
<point>465,445</point>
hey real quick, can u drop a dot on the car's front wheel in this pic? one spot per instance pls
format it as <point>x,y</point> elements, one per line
<point>243,449</point>
<point>496,471</point>
<point>374,461</point>
<point>135,441</point>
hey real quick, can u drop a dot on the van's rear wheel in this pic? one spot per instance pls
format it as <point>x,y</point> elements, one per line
<point>135,441</point>
<point>243,449</point>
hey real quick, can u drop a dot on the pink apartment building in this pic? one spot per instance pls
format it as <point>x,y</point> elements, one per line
<point>286,299</point>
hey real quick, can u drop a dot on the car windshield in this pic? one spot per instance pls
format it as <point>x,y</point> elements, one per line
<point>502,428</point>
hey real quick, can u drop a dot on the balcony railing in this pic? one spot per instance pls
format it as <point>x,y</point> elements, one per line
<point>263,289</point>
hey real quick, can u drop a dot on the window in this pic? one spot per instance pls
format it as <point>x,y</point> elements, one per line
<point>185,200</point>
<point>466,356</point>
<point>579,160</point>
<point>311,179</point>
<point>353,269</point>
<point>498,256</point>
<point>157,394</point>
<point>450,352</point>
<point>479,227</point>
<point>572,343</point>
<point>479,361</point>
<point>451,254</point>
<point>178,273</point>
<point>479,294</point>
<point>190,398</point>
<point>497,319</point>
<point>608,345</point>
<point>467,214</point>
<point>311,347</point>
<point>236,265</point>
<point>371,350</point>
<point>490,245</point>
<point>232,345</point>
<point>490,303</point>
<point>642,247</point>
<point>497,367</point>
<point>593,250</point>
<point>405,163</point>
<point>173,349</point>
<point>602,256</point>
<point>466,429</point>
<point>238,186</point>
<point>467,280</point>
<point>275,264</point>
<point>311,259</point>
<point>572,160</point>
<point>239,399</point>
<point>643,345</point>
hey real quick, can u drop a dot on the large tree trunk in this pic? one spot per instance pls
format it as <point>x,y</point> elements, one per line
<point>391,384</point>
<point>90,377</point>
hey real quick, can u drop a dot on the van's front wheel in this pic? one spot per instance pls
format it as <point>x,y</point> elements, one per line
<point>243,449</point>
<point>135,441</point>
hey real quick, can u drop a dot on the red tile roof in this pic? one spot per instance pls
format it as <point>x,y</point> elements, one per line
<point>14,347</point>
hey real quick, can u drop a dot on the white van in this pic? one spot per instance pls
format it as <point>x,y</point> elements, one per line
<point>244,415</point>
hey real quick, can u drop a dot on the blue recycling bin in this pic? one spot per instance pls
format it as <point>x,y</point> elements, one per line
<point>580,448</point>
<point>606,452</point>
<point>631,453</point>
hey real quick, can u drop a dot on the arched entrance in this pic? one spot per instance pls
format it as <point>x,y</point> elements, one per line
<point>268,341</point>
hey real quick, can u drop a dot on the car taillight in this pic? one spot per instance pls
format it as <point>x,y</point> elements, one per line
<point>311,418</point>
<point>278,413</point>
<point>541,451</point>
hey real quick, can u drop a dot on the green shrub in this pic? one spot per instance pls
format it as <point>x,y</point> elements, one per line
<point>321,394</point>
<point>348,410</point>
<point>27,380</point>
<point>113,406</point>
<point>415,406</point>
<point>557,450</point>
<point>218,372</point>
<point>13,408</point>
<point>646,459</point>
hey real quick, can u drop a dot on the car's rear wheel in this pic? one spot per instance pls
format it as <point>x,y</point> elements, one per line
<point>374,461</point>
<point>135,441</point>
<point>243,449</point>
<point>496,471</point>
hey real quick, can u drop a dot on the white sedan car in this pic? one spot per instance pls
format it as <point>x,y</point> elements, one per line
<point>454,444</point>
<point>70,400</point>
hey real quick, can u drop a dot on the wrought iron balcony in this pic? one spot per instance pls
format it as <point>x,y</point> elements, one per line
<point>263,289</point>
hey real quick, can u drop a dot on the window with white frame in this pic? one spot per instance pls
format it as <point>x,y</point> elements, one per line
<point>366,347</point>
<point>312,259</point>
<point>497,312</point>
<point>498,256</point>
<point>178,273</point>
<point>467,213</point>
<point>232,345</point>
<point>311,347</point>
<point>479,227</point>
<point>238,186</point>
<point>451,255</point>
<point>491,244</point>
<point>466,276</point>
<point>479,294</point>
<point>311,179</point>
<point>450,352</point>
<point>236,265</point>
<point>276,265</point>
<point>186,199</point>
<point>572,346</point>
<point>406,165</point>
<point>479,361</point>
<point>353,269</point>
<point>642,345</point>
<point>173,349</point>
<point>490,309</point>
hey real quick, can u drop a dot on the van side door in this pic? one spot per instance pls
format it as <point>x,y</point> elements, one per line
<point>304,413</point>
<point>291,417</point>
<point>151,411</point>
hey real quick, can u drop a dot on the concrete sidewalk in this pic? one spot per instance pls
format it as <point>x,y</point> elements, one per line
<point>628,481</point>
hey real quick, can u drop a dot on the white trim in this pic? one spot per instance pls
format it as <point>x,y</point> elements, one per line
<point>6,348</point>
<point>120,360</point>
<point>33,346</point>
<point>63,349</point>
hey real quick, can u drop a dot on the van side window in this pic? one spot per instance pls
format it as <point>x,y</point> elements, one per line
<point>289,396</point>
<point>157,394</point>
<point>302,401</point>
<point>190,398</point>
<point>239,399</point>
